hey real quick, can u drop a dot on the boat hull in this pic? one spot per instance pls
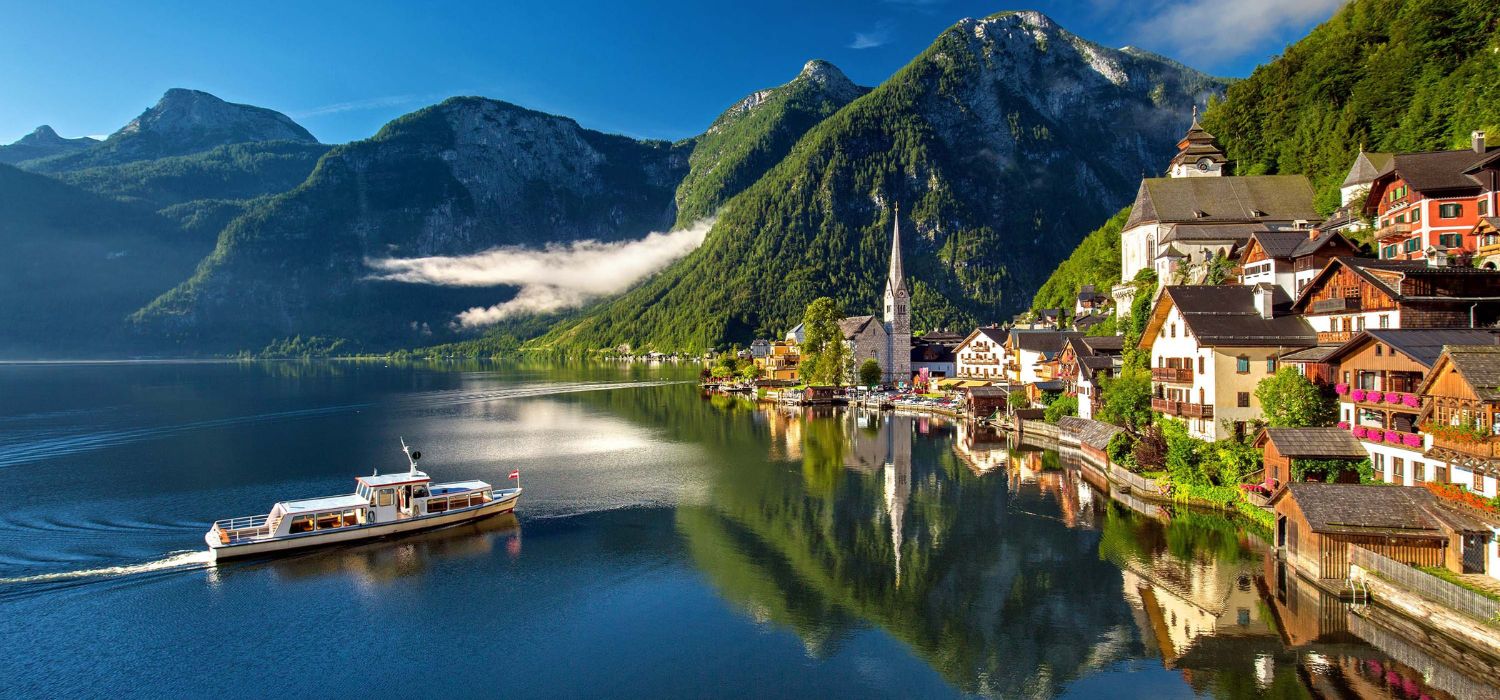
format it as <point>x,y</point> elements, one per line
<point>505,503</point>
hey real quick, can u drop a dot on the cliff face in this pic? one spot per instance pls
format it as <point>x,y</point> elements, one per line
<point>461,177</point>
<point>1004,142</point>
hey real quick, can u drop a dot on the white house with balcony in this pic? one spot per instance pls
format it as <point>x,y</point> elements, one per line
<point>982,355</point>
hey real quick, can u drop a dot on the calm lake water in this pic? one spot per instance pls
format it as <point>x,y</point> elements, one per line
<point>668,545</point>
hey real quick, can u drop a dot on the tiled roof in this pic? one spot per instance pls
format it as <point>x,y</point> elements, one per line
<point>1438,170</point>
<point>1046,342</point>
<point>854,325</point>
<point>1256,198</point>
<point>1198,233</point>
<point>1369,509</point>
<point>1479,365</point>
<point>1367,167</point>
<point>1315,443</point>
<point>1422,345</point>
<point>1090,432</point>
<point>1317,353</point>
<point>1108,344</point>
<point>1225,315</point>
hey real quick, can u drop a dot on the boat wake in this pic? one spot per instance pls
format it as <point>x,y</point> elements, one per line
<point>184,560</point>
<point>25,452</point>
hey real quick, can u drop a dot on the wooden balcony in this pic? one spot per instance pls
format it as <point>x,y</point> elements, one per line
<point>1336,305</point>
<point>1334,337</point>
<point>1393,232</point>
<point>1176,375</point>
<point>1488,448</point>
<point>1182,408</point>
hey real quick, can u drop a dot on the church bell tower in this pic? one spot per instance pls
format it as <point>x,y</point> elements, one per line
<point>897,312</point>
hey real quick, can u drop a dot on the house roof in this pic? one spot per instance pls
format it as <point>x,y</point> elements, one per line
<point>1090,432</point>
<point>994,334</point>
<point>1479,365</point>
<point>1313,443</point>
<point>1051,385</point>
<point>1210,233</point>
<point>1358,509</point>
<point>1225,315</point>
<point>1105,344</point>
<point>1046,342</point>
<point>1257,198</point>
<point>1087,321</point>
<point>1438,170</point>
<point>1422,345</point>
<point>852,326</point>
<point>1317,353</point>
<point>932,352</point>
<point>1367,167</point>
<point>1294,243</point>
<point>1370,269</point>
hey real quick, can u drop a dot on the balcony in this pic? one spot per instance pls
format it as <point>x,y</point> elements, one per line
<point>1175,375</point>
<point>1380,436</point>
<point>1391,233</point>
<point>1334,337</point>
<point>1182,408</point>
<point>1336,305</point>
<point>1485,448</point>
<point>1399,400</point>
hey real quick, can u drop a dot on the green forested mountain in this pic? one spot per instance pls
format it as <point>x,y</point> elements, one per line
<point>42,143</point>
<point>755,134</point>
<point>1095,261</point>
<point>461,177</point>
<point>76,264</point>
<point>237,171</point>
<point>1389,74</point>
<point>1002,142</point>
<point>1393,75</point>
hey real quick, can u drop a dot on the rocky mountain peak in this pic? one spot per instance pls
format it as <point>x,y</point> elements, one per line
<point>828,77</point>
<point>200,116</point>
<point>42,134</point>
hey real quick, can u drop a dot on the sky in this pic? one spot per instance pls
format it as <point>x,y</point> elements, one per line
<point>644,68</point>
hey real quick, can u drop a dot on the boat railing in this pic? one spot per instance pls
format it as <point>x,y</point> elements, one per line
<point>245,528</point>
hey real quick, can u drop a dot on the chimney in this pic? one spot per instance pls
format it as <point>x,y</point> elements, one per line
<point>1437,257</point>
<point>1263,302</point>
<point>1478,141</point>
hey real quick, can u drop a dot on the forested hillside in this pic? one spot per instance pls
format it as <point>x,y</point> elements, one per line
<point>1095,261</point>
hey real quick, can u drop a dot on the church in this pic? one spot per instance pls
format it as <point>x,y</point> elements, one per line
<point>887,341</point>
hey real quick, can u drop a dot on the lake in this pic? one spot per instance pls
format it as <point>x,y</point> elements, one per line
<point>668,545</point>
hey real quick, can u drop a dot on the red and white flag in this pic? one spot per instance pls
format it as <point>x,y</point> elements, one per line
<point>515,473</point>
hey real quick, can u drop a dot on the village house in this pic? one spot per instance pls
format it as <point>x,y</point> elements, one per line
<point>981,354</point>
<point>1317,523</point>
<point>1029,352</point>
<point>1282,447</point>
<point>780,362</point>
<point>934,352</point>
<point>1291,258</point>
<point>1084,361</point>
<point>1352,294</point>
<point>760,347</point>
<point>1462,406</point>
<point>1196,213</point>
<point>1431,200</point>
<point>1350,216</point>
<point>1211,346</point>
<point>1486,236</point>
<point>1089,301</point>
<point>1379,373</point>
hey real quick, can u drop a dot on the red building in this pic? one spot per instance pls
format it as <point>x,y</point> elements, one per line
<point>1434,200</point>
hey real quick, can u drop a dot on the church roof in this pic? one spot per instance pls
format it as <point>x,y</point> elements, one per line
<point>1367,167</point>
<point>852,326</point>
<point>896,278</point>
<point>1223,200</point>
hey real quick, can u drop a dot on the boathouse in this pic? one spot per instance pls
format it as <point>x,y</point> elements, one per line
<point>1282,447</point>
<point>1317,523</point>
<point>984,401</point>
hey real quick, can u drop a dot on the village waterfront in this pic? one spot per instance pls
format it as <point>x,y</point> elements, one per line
<point>671,543</point>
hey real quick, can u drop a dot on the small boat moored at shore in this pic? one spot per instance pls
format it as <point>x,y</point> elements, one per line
<point>380,506</point>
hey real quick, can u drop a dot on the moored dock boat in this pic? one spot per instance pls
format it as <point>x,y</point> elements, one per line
<point>380,506</point>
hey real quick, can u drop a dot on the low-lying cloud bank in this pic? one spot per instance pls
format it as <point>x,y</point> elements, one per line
<point>551,279</point>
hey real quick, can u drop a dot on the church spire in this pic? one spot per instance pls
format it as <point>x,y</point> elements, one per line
<point>896,279</point>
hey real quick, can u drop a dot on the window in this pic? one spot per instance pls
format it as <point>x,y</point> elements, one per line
<point>1359,323</point>
<point>1377,461</point>
<point>1200,364</point>
<point>1418,471</point>
<point>1242,399</point>
<point>1440,472</point>
<point>1416,215</point>
<point>1385,322</point>
<point>1451,210</point>
<point>1412,244</point>
<point>1270,365</point>
<point>1174,330</point>
<point>1242,365</point>
<point>1380,349</point>
<point>1398,469</point>
<point>384,497</point>
<point>302,523</point>
<point>1451,240</point>
<point>1484,207</point>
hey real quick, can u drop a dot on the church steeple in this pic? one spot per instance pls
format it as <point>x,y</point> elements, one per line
<point>896,278</point>
<point>1198,153</point>
<point>897,361</point>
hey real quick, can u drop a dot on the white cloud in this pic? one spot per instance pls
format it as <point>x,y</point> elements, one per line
<point>1209,29</point>
<point>878,36</point>
<point>553,278</point>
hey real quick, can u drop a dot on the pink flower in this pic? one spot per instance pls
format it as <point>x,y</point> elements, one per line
<point>1393,437</point>
<point>1341,389</point>
<point>1412,440</point>
<point>1357,394</point>
<point>1392,397</point>
<point>1359,431</point>
<point>1373,396</point>
<point>1343,425</point>
<point>1411,400</point>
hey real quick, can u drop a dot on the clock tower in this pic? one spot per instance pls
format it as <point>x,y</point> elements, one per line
<point>1198,154</point>
<point>897,312</point>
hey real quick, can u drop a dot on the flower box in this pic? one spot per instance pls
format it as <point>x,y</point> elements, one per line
<point>1357,394</point>
<point>1341,389</point>
<point>1411,400</point>
<point>1373,396</point>
<point>1412,440</point>
<point>1343,425</point>
<point>1360,431</point>
<point>1392,437</point>
<point>1393,397</point>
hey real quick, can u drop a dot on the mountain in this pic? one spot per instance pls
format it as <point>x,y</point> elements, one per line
<point>1391,75</point>
<point>464,176</point>
<point>1003,142</point>
<point>182,122</point>
<point>1384,75</point>
<point>42,143</point>
<point>76,264</point>
<point>236,171</point>
<point>757,133</point>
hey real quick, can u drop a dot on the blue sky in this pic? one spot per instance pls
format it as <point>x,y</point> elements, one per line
<point>647,69</point>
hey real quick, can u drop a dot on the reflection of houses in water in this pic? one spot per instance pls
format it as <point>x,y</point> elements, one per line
<point>983,448</point>
<point>785,426</point>
<point>1185,603</point>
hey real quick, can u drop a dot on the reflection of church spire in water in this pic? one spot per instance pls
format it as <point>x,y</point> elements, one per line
<point>897,482</point>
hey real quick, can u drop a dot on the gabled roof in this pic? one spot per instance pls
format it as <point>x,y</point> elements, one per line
<point>1225,315</point>
<point>1294,243</point>
<point>1422,345</point>
<point>1103,344</point>
<point>1369,269</point>
<point>1438,171</point>
<point>1257,198</point>
<point>1313,443</point>
<point>1367,167</point>
<point>1359,509</point>
<point>994,334</point>
<point>854,325</point>
<point>1048,343</point>
<point>1479,365</point>
<point>1209,233</point>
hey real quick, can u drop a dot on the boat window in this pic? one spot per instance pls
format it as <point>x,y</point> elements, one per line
<point>328,521</point>
<point>420,492</point>
<point>386,497</point>
<point>488,495</point>
<point>302,523</point>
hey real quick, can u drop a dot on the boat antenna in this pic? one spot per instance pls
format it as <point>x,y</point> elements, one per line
<point>411,457</point>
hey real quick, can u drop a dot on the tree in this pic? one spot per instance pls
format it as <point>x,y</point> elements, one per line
<point>1062,406</point>
<point>870,372</point>
<point>1127,399</point>
<point>1289,400</point>
<point>1017,399</point>
<point>823,351</point>
<point>751,372</point>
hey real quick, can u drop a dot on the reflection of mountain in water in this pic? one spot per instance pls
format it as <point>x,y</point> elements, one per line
<point>896,532</point>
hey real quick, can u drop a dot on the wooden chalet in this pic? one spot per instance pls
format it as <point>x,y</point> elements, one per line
<point>1462,411</point>
<point>1352,294</point>
<point>1317,523</point>
<point>1282,447</point>
<point>1290,258</point>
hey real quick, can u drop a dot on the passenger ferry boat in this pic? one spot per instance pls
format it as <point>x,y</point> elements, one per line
<point>380,506</point>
